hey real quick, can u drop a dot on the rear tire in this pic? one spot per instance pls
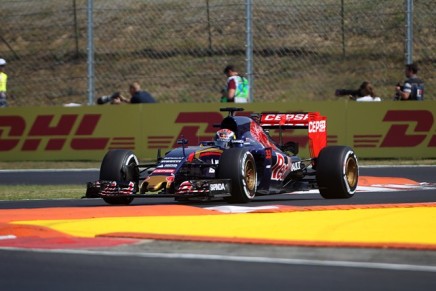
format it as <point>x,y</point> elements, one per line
<point>337,172</point>
<point>119,165</point>
<point>238,165</point>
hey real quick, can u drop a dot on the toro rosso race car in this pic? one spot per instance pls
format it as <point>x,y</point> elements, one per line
<point>242,161</point>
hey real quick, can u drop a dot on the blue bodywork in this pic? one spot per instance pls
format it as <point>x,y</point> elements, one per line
<point>277,171</point>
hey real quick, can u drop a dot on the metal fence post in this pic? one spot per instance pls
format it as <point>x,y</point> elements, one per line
<point>249,48</point>
<point>409,31</point>
<point>90,49</point>
<point>343,27</point>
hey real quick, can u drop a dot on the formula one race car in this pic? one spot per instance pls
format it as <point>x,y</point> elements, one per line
<point>241,162</point>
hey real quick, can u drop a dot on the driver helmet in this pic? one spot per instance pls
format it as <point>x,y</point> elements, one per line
<point>223,137</point>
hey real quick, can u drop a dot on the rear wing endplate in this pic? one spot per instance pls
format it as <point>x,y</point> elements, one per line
<point>314,122</point>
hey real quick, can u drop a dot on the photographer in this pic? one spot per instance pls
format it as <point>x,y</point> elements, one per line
<point>138,95</point>
<point>413,87</point>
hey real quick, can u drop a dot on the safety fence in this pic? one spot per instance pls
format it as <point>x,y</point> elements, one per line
<point>301,49</point>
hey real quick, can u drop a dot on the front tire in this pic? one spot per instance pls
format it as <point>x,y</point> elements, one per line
<point>119,165</point>
<point>337,172</point>
<point>238,165</point>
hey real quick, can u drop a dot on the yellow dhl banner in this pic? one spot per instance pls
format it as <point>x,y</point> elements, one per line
<point>374,130</point>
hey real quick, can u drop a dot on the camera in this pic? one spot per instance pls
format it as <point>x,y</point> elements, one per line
<point>397,95</point>
<point>399,85</point>
<point>347,92</point>
<point>106,99</point>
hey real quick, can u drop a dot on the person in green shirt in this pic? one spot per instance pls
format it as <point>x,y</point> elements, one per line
<point>236,89</point>
<point>3,84</point>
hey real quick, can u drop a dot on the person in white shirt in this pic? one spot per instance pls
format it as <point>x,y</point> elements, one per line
<point>368,93</point>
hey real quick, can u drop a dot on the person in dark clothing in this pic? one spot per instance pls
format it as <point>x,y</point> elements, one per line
<point>138,95</point>
<point>413,87</point>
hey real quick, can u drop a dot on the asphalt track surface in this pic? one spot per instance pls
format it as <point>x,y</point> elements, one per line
<point>102,259</point>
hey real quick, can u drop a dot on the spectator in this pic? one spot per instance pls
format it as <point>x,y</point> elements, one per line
<point>236,89</point>
<point>413,87</point>
<point>138,95</point>
<point>3,84</point>
<point>365,93</point>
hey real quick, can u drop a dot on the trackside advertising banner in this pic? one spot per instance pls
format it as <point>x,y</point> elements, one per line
<point>385,129</point>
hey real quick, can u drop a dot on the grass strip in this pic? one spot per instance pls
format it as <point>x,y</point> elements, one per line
<point>32,192</point>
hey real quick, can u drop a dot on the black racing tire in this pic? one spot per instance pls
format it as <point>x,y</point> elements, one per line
<point>337,172</point>
<point>238,165</point>
<point>119,165</point>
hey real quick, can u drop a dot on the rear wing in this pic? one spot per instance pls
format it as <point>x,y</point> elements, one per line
<point>314,122</point>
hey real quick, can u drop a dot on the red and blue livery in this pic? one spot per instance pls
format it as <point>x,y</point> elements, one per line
<point>240,163</point>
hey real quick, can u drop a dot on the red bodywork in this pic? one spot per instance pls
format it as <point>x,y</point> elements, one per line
<point>315,123</point>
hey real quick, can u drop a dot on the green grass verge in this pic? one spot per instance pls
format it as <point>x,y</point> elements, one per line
<point>32,192</point>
